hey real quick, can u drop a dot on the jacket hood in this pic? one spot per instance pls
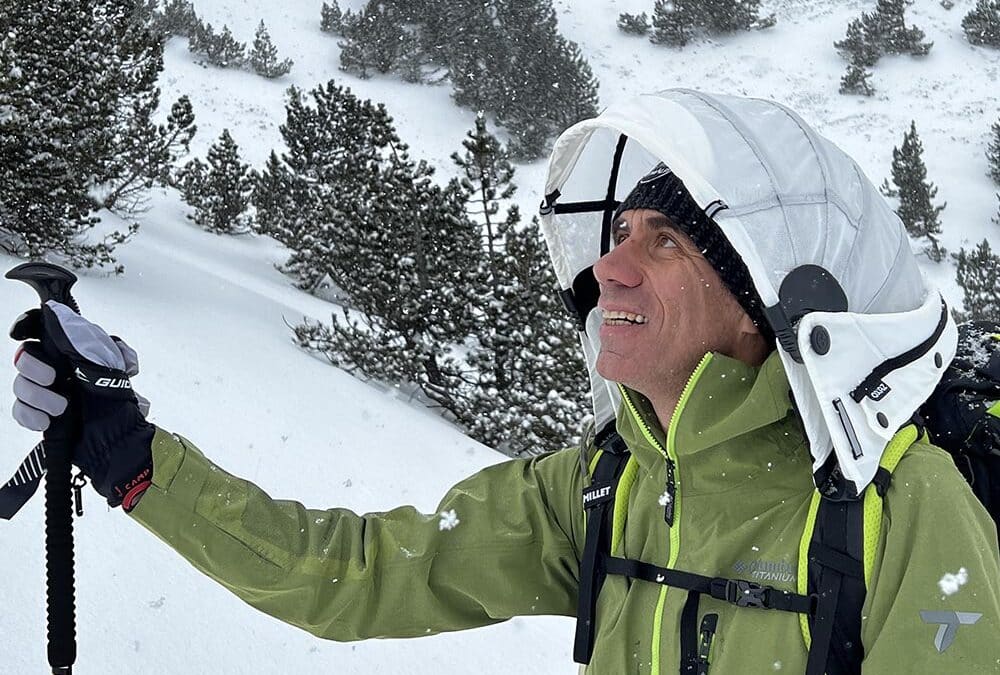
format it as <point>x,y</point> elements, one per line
<point>862,337</point>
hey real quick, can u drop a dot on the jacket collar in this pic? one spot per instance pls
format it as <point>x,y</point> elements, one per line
<point>725,398</point>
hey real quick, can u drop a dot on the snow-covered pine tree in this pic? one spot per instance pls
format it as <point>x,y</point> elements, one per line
<point>977,273</point>
<point>151,156</point>
<point>271,200</point>
<point>728,16</point>
<point>264,56</point>
<point>529,375</point>
<point>415,275</point>
<point>177,18</point>
<point>486,177</point>
<point>377,39</point>
<point>144,152</point>
<point>469,40</point>
<point>993,153</point>
<point>982,23</point>
<point>915,193</point>
<point>546,395</point>
<point>633,24</point>
<point>336,145</point>
<point>222,49</point>
<point>861,45</point>
<point>78,87</point>
<point>855,80</point>
<point>895,36</point>
<point>674,22</point>
<point>219,191</point>
<point>544,84</point>
<point>331,18</point>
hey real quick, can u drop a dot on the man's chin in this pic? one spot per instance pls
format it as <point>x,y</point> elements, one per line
<point>614,367</point>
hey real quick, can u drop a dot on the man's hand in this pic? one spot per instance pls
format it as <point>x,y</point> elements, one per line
<point>113,447</point>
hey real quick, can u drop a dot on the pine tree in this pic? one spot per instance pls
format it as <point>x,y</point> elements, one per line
<point>177,18</point>
<point>529,376</point>
<point>545,391</point>
<point>470,37</point>
<point>982,24</point>
<point>915,193</point>
<point>332,18</point>
<point>855,81</point>
<point>861,44</point>
<point>633,24</point>
<point>993,153</point>
<point>219,191</point>
<point>977,273</point>
<point>895,36</point>
<point>674,22</point>
<point>376,39</point>
<point>543,84</point>
<point>415,273</point>
<point>264,56</point>
<point>222,49</point>
<point>78,91</point>
<point>336,145</point>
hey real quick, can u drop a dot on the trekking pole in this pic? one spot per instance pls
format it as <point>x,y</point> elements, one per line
<point>52,282</point>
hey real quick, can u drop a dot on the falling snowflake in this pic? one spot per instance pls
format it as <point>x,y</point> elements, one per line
<point>950,583</point>
<point>664,499</point>
<point>448,520</point>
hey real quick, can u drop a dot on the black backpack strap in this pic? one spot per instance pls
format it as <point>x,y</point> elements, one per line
<point>598,502</point>
<point>836,576</point>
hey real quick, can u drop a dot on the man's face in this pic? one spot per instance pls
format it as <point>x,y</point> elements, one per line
<point>664,306</point>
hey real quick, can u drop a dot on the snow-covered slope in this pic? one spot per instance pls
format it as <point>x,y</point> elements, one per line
<point>206,315</point>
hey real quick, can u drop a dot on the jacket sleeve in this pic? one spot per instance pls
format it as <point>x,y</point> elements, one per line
<point>934,605</point>
<point>510,547</point>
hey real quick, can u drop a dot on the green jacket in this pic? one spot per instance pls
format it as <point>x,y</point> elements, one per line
<point>743,503</point>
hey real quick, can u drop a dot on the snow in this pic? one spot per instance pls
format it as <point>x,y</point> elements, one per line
<point>206,315</point>
<point>951,583</point>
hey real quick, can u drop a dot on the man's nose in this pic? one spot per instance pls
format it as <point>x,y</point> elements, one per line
<point>618,268</point>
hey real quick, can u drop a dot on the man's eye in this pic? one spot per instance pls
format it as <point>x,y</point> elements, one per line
<point>665,241</point>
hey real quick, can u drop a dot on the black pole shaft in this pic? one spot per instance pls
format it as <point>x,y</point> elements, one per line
<point>59,559</point>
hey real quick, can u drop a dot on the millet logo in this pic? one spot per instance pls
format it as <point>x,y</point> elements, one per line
<point>779,571</point>
<point>591,495</point>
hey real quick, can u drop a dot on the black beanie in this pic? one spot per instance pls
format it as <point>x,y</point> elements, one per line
<point>661,190</point>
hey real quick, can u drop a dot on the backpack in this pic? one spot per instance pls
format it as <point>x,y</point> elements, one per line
<point>962,416</point>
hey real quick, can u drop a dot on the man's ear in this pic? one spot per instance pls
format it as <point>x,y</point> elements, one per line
<point>747,326</point>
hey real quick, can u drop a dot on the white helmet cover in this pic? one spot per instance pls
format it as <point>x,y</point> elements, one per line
<point>785,197</point>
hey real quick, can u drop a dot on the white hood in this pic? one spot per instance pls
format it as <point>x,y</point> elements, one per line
<point>785,197</point>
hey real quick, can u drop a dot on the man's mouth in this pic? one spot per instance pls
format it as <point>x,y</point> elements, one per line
<point>619,318</point>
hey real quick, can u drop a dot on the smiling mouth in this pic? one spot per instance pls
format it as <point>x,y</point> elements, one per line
<point>618,318</point>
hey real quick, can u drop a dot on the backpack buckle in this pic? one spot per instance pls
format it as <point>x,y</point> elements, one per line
<point>744,593</point>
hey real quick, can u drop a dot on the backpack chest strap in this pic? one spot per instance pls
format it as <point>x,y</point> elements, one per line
<point>739,592</point>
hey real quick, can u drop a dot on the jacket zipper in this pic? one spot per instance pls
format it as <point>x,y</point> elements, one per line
<point>709,623</point>
<point>672,505</point>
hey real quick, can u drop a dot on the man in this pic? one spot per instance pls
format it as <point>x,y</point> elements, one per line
<point>727,436</point>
